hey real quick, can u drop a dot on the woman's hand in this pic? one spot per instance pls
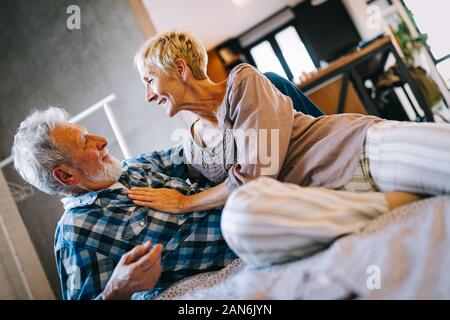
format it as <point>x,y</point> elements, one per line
<point>165,200</point>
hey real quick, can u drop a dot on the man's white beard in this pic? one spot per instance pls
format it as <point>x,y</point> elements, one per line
<point>109,172</point>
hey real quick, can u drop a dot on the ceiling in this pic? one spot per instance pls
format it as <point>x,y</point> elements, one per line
<point>212,21</point>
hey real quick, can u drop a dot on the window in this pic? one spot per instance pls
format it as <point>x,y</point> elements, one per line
<point>431,18</point>
<point>266,59</point>
<point>283,52</point>
<point>295,53</point>
<point>444,70</point>
<point>275,45</point>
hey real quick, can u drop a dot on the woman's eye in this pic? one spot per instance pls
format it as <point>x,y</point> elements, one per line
<point>150,81</point>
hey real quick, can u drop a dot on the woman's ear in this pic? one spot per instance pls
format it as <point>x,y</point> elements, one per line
<point>65,175</point>
<point>182,69</point>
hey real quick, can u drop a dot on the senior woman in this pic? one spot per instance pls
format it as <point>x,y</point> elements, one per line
<point>246,128</point>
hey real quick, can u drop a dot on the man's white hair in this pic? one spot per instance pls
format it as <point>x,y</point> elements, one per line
<point>35,154</point>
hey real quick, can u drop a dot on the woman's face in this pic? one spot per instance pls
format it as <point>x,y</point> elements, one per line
<point>165,90</point>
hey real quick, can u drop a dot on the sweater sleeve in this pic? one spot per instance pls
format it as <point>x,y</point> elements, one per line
<point>262,119</point>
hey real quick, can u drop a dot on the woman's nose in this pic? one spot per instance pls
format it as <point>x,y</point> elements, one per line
<point>150,95</point>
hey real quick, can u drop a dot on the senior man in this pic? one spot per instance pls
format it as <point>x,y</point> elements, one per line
<point>103,242</point>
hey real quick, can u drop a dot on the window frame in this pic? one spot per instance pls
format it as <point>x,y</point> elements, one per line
<point>270,37</point>
<point>436,61</point>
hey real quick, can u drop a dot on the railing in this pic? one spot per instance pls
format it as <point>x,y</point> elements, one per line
<point>104,103</point>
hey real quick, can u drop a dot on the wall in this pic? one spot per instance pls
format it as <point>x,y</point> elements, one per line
<point>21,273</point>
<point>43,63</point>
<point>357,10</point>
<point>211,21</point>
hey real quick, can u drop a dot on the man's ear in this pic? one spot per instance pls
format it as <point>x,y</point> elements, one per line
<point>65,175</point>
<point>182,69</point>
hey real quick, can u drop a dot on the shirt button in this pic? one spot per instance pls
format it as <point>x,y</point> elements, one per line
<point>141,223</point>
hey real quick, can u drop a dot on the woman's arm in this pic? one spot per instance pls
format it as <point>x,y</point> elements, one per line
<point>172,201</point>
<point>262,120</point>
<point>209,199</point>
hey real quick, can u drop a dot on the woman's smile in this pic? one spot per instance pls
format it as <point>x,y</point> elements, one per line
<point>162,101</point>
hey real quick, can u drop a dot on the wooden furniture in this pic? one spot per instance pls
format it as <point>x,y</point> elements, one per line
<point>326,97</point>
<point>349,73</point>
<point>216,69</point>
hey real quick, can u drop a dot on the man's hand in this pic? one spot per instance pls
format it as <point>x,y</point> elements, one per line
<point>165,200</point>
<point>138,270</point>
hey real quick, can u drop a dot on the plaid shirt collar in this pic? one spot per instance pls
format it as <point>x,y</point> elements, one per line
<point>89,198</point>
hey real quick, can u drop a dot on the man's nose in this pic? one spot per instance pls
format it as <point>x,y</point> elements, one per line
<point>101,142</point>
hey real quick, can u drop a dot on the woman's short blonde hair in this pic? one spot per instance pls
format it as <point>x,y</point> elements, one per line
<point>162,50</point>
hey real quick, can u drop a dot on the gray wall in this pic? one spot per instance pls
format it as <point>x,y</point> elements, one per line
<point>43,63</point>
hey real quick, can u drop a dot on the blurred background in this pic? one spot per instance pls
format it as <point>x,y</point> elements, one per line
<point>382,57</point>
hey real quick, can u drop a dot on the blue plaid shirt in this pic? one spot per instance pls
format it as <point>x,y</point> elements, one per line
<point>97,228</point>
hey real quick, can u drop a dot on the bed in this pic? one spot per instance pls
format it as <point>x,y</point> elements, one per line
<point>403,254</point>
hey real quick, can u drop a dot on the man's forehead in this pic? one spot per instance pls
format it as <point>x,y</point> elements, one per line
<point>70,128</point>
<point>67,131</point>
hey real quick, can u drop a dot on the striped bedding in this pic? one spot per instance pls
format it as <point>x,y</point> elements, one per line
<point>403,254</point>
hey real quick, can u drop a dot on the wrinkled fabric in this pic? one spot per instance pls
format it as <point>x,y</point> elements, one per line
<point>288,145</point>
<point>408,246</point>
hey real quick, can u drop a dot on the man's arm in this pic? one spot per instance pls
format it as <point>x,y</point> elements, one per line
<point>86,274</point>
<point>83,273</point>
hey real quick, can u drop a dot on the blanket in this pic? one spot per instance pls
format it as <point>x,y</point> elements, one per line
<point>403,254</point>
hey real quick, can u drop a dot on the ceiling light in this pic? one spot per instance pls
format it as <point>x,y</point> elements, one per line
<point>241,3</point>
